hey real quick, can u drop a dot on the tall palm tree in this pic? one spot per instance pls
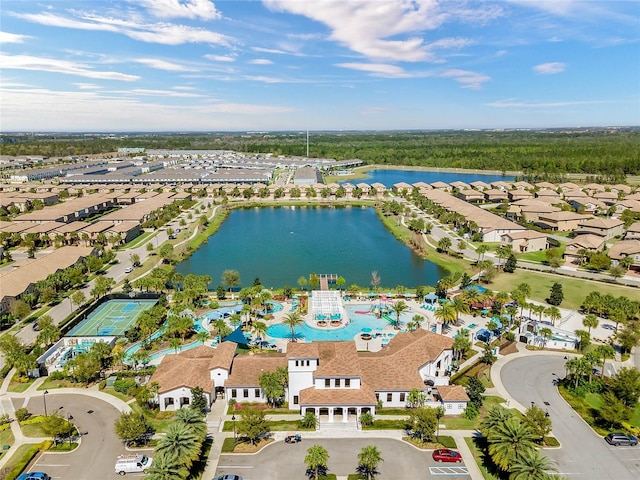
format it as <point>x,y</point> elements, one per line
<point>553,313</point>
<point>415,322</point>
<point>531,466</point>
<point>590,321</point>
<point>460,306</point>
<point>316,460</point>
<point>180,445</point>
<point>293,319</point>
<point>604,352</point>
<point>163,468</point>
<point>368,460</point>
<point>260,329</point>
<point>471,295</point>
<point>546,334</point>
<point>509,441</point>
<point>399,307</point>
<point>203,336</point>
<point>193,419</point>
<point>481,250</point>
<point>446,313</point>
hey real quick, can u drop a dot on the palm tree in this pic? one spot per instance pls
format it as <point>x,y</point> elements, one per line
<point>260,329</point>
<point>460,306</point>
<point>203,336</point>
<point>495,416</point>
<point>553,313</point>
<point>180,445</point>
<point>546,334</point>
<point>193,419</point>
<point>531,466</point>
<point>539,309</point>
<point>415,322</point>
<point>163,468</point>
<point>368,460</point>
<point>446,313</point>
<point>604,352</point>
<point>399,307</point>
<point>509,441</point>
<point>293,319</point>
<point>482,249</point>
<point>316,460</point>
<point>175,343</point>
<point>590,321</point>
<point>461,343</point>
<point>471,295</point>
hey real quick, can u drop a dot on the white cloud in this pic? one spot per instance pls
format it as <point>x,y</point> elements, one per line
<point>549,68</point>
<point>6,37</point>
<point>27,62</point>
<point>163,65</point>
<point>156,93</point>
<point>388,30</point>
<point>220,58</point>
<point>514,104</point>
<point>472,80</point>
<point>379,69</point>
<point>162,33</point>
<point>260,61</point>
<point>87,86</point>
<point>452,43</point>
<point>203,9</point>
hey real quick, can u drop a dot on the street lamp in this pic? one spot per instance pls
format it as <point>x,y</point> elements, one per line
<point>44,400</point>
<point>69,418</point>
<point>233,419</point>
<point>439,414</point>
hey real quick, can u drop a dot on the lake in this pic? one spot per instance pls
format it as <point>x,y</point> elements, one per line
<point>391,177</point>
<point>279,245</point>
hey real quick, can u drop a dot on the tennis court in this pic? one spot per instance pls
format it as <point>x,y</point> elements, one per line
<point>112,318</point>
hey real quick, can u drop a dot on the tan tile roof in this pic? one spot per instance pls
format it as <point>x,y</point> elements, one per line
<point>527,234</point>
<point>338,396</point>
<point>302,350</point>
<point>452,393</point>
<point>587,240</point>
<point>338,359</point>
<point>192,367</point>
<point>246,369</point>
<point>624,248</point>
<point>602,223</point>
<point>14,282</point>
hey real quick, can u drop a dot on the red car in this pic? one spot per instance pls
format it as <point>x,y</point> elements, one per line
<point>446,455</point>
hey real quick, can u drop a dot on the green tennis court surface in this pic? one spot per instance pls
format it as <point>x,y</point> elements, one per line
<point>112,318</point>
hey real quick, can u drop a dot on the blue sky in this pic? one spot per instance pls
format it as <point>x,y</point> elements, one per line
<point>202,65</point>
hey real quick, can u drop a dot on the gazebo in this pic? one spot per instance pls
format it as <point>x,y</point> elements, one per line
<point>430,298</point>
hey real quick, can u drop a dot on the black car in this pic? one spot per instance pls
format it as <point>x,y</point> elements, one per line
<point>621,439</point>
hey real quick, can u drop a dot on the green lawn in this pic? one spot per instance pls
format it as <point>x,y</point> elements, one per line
<point>537,257</point>
<point>575,290</point>
<point>6,437</point>
<point>478,456</point>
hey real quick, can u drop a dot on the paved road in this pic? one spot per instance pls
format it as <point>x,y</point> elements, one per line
<point>584,454</point>
<point>281,461</point>
<point>94,459</point>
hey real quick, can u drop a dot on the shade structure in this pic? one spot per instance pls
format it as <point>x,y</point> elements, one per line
<point>236,336</point>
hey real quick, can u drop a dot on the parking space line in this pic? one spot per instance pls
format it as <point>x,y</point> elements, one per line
<point>448,471</point>
<point>235,466</point>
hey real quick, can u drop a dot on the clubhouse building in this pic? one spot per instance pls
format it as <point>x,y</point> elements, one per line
<point>333,380</point>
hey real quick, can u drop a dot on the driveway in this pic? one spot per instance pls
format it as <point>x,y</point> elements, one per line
<point>281,461</point>
<point>584,454</point>
<point>95,458</point>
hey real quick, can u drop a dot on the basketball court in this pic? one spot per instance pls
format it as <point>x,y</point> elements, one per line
<point>112,318</point>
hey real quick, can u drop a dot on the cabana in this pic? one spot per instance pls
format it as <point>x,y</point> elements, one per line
<point>430,298</point>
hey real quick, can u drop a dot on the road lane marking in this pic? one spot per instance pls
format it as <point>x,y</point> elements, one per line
<point>235,466</point>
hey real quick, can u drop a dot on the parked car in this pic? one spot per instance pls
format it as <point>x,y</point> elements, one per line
<point>446,455</point>
<point>228,477</point>
<point>34,476</point>
<point>618,438</point>
<point>292,438</point>
<point>128,270</point>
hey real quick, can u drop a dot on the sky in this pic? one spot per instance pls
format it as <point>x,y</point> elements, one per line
<point>296,65</point>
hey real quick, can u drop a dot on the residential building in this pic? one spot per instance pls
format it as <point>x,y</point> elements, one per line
<point>605,227</point>
<point>588,242</point>
<point>561,221</point>
<point>626,248</point>
<point>526,241</point>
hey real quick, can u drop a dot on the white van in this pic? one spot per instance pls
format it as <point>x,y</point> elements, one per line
<point>132,464</point>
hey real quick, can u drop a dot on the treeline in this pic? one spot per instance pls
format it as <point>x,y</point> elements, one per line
<point>611,153</point>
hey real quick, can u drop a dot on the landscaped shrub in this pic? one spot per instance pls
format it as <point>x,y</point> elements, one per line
<point>309,420</point>
<point>22,414</point>
<point>366,419</point>
<point>471,412</point>
<point>123,385</point>
<point>4,419</point>
<point>57,376</point>
<point>26,458</point>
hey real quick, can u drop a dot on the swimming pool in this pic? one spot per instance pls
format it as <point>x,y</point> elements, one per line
<point>358,322</point>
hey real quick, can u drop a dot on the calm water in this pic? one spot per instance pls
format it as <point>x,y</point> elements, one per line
<point>358,322</point>
<point>279,245</point>
<point>390,177</point>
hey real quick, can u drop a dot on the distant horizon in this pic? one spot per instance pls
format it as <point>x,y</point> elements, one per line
<point>302,132</point>
<point>318,65</point>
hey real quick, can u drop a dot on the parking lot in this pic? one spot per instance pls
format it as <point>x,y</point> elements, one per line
<point>281,461</point>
